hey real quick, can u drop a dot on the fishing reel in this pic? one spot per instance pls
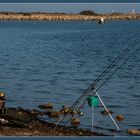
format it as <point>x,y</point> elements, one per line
<point>72,111</point>
<point>76,111</point>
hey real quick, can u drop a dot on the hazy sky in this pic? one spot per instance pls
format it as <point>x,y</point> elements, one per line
<point>70,8</point>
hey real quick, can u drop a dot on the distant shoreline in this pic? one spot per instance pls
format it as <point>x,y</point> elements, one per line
<point>66,17</point>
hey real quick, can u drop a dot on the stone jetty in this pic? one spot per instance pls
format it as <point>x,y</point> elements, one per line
<point>66,17</point>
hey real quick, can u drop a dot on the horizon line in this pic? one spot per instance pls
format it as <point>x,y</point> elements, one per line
<point>71,3</point>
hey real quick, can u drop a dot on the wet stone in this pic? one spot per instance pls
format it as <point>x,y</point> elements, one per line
<point>133,131</point>
<point>119,117</point>
<point>46,106</point>
<point>104,112</point>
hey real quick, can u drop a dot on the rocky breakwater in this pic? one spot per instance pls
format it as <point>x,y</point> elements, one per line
<point>47,17</point>
<point>65,17</point>
<point>123,17</point>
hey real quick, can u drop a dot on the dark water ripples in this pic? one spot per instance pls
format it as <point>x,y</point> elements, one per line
<point>56,61</point>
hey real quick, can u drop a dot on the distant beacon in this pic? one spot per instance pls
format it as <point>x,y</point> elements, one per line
<point>133,11</point>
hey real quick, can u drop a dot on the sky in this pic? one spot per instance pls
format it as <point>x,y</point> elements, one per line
<point>70,8</point>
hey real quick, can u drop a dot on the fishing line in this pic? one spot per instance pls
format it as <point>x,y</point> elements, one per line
<point>92,86</point>
<point>106,71</point>
<point>118,68</point>
<point>109,77</point>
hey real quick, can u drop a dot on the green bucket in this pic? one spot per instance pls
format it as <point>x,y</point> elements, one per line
<point>93,101</point>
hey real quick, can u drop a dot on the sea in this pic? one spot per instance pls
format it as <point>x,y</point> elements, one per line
<point>56,61</point>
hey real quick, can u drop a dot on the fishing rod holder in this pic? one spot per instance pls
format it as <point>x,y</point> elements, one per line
<point>107,110</point>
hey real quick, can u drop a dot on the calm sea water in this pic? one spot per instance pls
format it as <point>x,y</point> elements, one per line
<point>43,62</point>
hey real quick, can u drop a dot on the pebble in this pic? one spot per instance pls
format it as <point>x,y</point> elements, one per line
<point>75,121</point>
<point>119,117</point>
<point>81,133</point>
<point>104,112</point>
<point>133,131</point>
<point>65,110</point>
<point>54,114</point>
<point>46,106</point>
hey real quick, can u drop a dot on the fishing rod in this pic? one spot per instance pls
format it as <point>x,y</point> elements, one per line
<point>107,79</point>
<point>91,87</point>
<point>111,74</point>
<point>106,71</point>
<point>118,68</point>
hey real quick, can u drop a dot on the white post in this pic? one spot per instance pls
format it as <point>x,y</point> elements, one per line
<point>107,110</point>
<point>133,11</point>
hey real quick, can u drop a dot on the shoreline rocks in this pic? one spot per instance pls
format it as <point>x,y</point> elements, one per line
<point>20,122</point>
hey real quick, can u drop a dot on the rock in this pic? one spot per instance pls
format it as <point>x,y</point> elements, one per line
<point>75,121</point>
<point>54,114</point>
<point>65,110</point>
<point>16,117</point>
<point>46,106</point>
<point>24,124</point>
<point>36,112</point>
<point>20,113</point>
<point>119,117</point>
<point>64,17</point>
<point>26,134</point>
<point>81,133</point>
<point>133,131</point>
<point>60,134</point>
<point>3,121</point>
<point>104,112</point>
